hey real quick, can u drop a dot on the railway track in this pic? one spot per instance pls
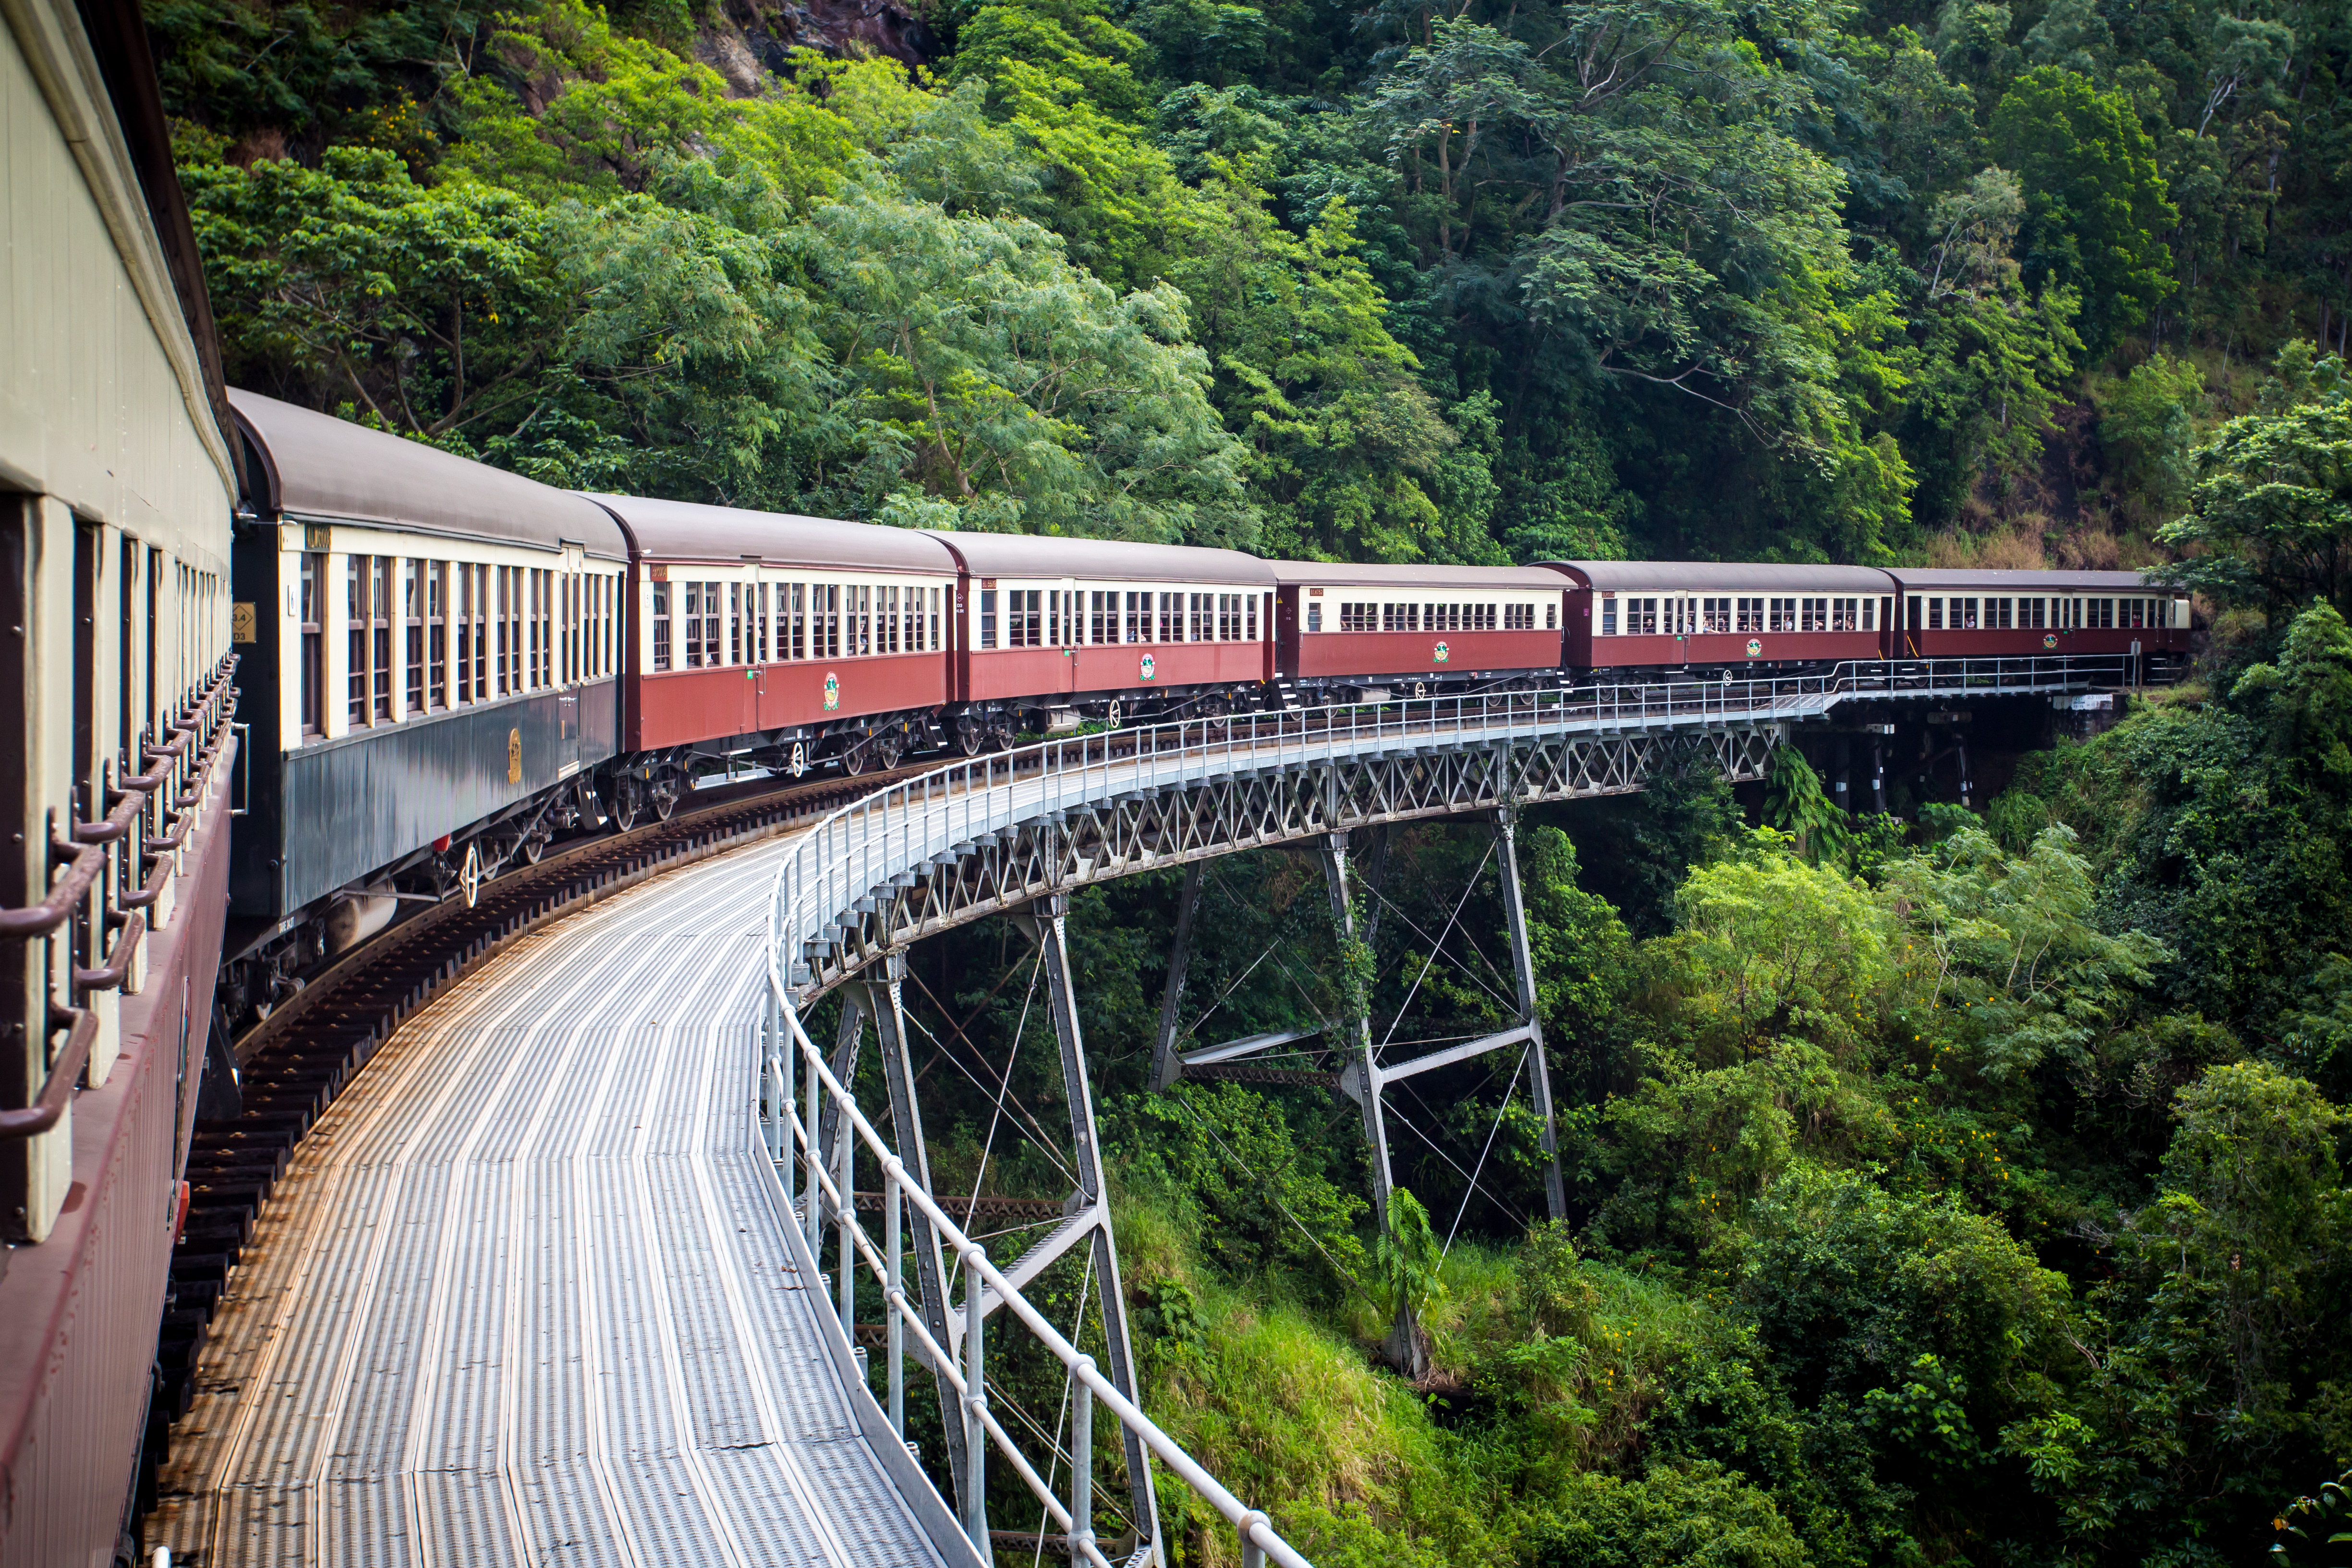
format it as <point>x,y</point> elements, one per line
<point>293,1064</point>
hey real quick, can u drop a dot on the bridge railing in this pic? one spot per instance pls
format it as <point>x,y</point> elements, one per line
<point>948,810</point>
<point>790,1131</point>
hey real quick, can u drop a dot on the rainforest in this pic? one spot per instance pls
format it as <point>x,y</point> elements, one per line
<point>1960,1184</point>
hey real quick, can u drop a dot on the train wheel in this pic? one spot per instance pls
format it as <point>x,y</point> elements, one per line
<point>624,805</point>
<point>469,874</point>
<point>1116,715</point>
<point>889,748</point>
<point>800,758</point>
<point>853,761</point>
<point>665,802</point>
<point>532,849</point>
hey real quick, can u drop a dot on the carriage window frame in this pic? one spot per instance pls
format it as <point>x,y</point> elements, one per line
<point>414,591</point>
<point>309,607</point>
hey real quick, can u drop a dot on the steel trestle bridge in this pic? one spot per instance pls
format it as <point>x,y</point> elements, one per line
<point>1013,834</point>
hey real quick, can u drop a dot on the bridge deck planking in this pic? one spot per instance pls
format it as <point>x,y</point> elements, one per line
<point>521,1296</point>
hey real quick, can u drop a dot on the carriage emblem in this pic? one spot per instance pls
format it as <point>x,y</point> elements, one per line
<point>1440,654</point>
<point>832,691</point>
<point>2049,639</point>
<point>1754,646</point>
<point>1150,667</point>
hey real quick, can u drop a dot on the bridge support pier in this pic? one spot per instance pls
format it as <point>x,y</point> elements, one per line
<point>1515,909</point>
<point>1045,923</point>
<point>885,1000</point>
<point>1166,1068</point>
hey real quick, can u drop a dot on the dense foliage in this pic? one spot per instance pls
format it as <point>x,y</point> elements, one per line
<point>1810,279</point>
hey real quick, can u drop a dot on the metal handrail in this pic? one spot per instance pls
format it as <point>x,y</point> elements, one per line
<point>945,811</point>
<point>1252,1525</point>
<point>88,855</point>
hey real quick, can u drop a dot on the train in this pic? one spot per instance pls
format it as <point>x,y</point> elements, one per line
<point>449,665</point>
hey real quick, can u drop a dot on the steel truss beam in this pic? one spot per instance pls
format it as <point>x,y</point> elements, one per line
<point>1214,814</point>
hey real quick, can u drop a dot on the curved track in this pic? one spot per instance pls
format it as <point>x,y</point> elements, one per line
<point>518,1296</point>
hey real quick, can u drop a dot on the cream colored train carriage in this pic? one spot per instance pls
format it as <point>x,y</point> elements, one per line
<point>117,756</point>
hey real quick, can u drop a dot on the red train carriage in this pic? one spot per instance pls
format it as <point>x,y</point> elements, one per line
<point>1708,617</point>
<point>2004,613</point>
<point>1348,632</point>
<point>785,638</point>
<point>1053,630</point>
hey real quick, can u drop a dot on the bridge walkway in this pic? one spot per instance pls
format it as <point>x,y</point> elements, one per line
<point>523,1295</point>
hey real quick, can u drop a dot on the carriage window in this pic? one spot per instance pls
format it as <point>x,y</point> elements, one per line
<point>1229,617</point>
<point>1997,613</point>
<point>1715,614</point>
<point>1355,616</point>
<point>367,590</point>
<point>988,617</point>
<point>1551,614</point>
<point>1936,613</point>
<point>693,618</point>
<point>1608,616</point>
<point>1518,617</point>
<point>436,635</point>
<point>661,626</point>
<point>1024,621</point>
<point>714,631</point>
<point>543,602</point>
<point>314,577</point>
<point>1869,615</point>
<point>1964,614</point>
<point>355,639</point>
<point>2103,615</point>
<point>1314,617</point>
<point>412,594</point>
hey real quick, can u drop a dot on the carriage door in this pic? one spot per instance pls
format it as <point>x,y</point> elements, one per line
<point>570,631</point>
<point>1068,631</point>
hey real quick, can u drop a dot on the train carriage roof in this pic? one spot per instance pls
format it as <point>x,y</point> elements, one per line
<point>689,530</point>
<point>1946,577</point>
<point>1446,579</point>
<point>1703,576</point>
<point>314,465</point>
<point>1102,559</point>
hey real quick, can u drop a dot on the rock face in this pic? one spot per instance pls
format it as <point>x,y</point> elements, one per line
<point>760,35</point>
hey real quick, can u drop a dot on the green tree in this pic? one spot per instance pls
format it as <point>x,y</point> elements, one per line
<point>992,375</point>
<point>2269,523</point>
<point>2016,951</point>
<point>2148,425</point>
<point>2096,204</point>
